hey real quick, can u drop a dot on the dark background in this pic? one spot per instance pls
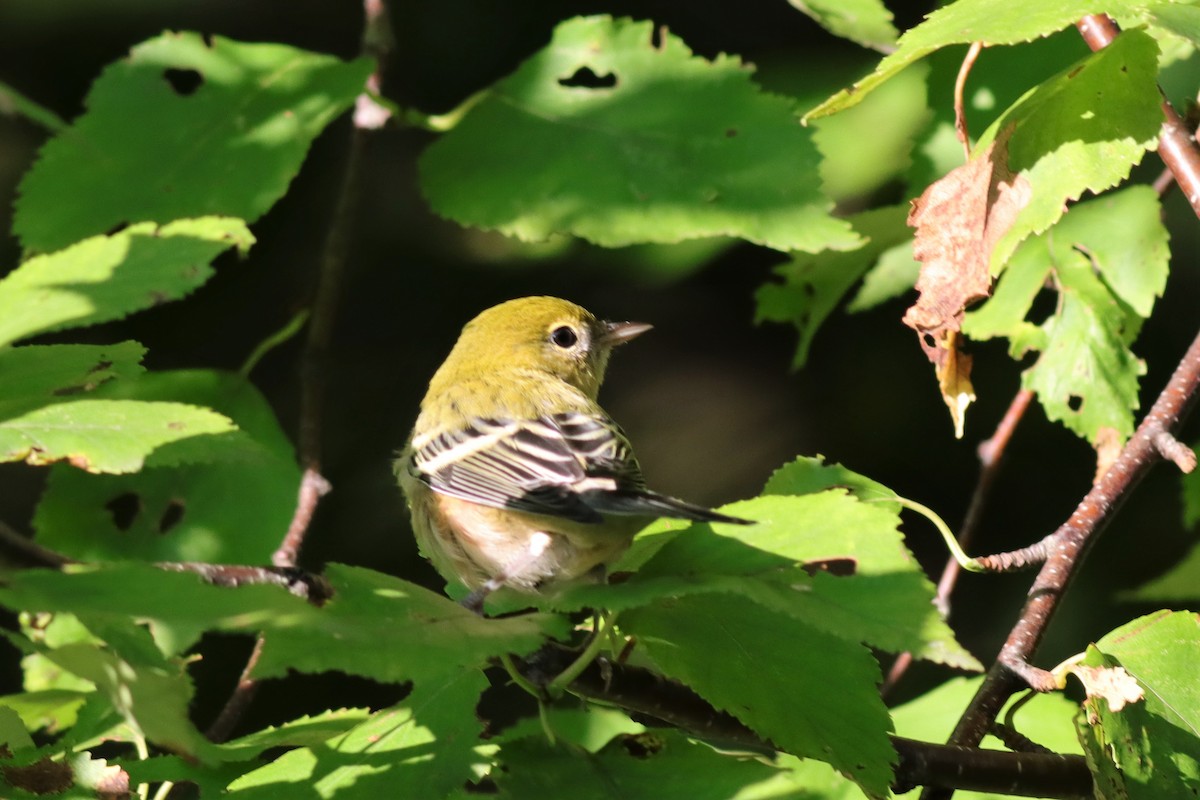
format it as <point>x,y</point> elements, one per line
<point>708,397</point>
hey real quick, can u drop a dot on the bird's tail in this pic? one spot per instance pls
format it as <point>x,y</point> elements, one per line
<point>653,504</point>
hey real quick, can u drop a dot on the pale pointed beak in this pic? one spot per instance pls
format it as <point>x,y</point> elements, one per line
<point>616,333</point>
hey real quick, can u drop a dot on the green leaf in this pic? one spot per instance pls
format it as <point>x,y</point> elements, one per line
<point>36,375</point>
<point>890,120</point>
<point>589,727</point>
<point>106,277</point>
<point>677,147</point>
<point>1065,147</point>
<point>893,274</point>
<point>160,140</point>
<point>177,606</point>
<point>53,710</point>
<point>887,602</point>
<point>13,735</point>
<point>867,22</point>
<point>103,435</point>
<point>1108,259</point>
<point>645,766</point>
<point>152,695</point>
<point>1178,18</point>
<point>967,21</point>
<point>1154,743</point>
<point>811,693</point>
<point>375,626</point>
<point>812,285</point>
<point>1047,719</point>
<point>391,630</point>
<point>423,747</point>
<point>230,510</point>
<point>1181,583</point>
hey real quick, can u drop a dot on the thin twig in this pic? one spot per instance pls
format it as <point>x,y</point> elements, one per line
<point>27,551</point>
<point>239,700</point>
<point>960,110</point>
<point>1065,549</point>
<point>368,115</point>
<point>991,453</point>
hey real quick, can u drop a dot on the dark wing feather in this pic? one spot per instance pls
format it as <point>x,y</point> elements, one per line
<point>545,466</point>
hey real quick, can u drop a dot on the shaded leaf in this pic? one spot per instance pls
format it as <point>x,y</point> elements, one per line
<point>106,277</point>
<point>228,503</point>
<point>867,22</point>
<point>812,694</point>
<point>422,747</point>
<point>967,21</point>
<point>1064,147</point>
<point>391,630</point>
<point>103,435</point>
<point>652,119</point>
<point>643,766</point>
<point>812,285</point>
<point>158,141</point>
<point>1108,260</point>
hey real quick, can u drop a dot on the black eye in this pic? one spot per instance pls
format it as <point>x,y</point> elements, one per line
<point>564,336</point>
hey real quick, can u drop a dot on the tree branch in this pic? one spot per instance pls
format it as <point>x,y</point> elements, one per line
<point>368,116</point>
<point>1153,441</point>
<point>643,692</point>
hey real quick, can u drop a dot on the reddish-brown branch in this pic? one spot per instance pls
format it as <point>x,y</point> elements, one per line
<point>1154,440</point>
<point>368,116</point>
<point>1065,549</point>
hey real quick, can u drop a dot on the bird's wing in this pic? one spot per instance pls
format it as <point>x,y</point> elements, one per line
<point>543,466</point>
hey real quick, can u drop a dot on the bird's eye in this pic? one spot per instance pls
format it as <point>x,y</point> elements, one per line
<point>564,336</point>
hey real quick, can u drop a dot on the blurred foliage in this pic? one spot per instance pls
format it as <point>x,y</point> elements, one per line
<point>172,193</point>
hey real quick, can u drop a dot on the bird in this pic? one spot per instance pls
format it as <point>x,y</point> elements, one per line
<point>514,475</point>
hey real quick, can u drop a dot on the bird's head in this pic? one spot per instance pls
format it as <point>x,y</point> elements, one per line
<point>544,335</point>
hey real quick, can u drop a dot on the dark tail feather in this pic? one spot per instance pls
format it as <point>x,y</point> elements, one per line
<point>658,505</point>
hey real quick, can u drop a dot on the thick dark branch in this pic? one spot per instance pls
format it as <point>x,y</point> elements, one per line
<point>921,764</point>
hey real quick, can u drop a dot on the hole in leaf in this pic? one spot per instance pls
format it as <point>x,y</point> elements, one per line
<point>929,340</point>
<point>171,516</point>
<point>584,78</point>
<point>183,81</point>
<point>641,745</point>
<point>657,36</point>
<point>124,509</point>
<point>838,567</point>
<point>1044,304</point>
<point>1074,402</point>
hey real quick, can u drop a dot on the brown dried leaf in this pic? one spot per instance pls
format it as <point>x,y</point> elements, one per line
<point>954,381</point>
<point>959,218</point>
<point>1114,684</point>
